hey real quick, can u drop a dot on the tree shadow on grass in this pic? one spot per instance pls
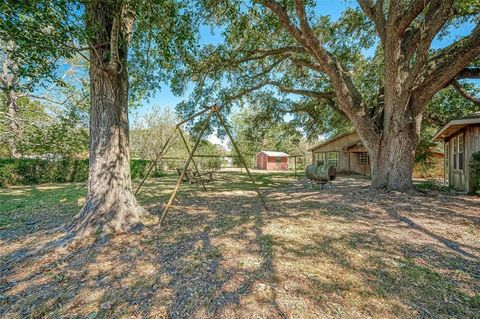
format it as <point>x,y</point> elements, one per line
<point>174,272</point>
<point>318,253</point>
<point>366,274</point>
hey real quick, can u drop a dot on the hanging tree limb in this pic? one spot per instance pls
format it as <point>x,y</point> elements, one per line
<point>444,66</point>
<point>469,73</point>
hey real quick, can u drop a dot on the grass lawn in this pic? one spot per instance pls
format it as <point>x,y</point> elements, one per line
<point>341,253</point>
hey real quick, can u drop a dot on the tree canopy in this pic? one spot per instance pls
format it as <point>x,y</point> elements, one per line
<point>379,64</point>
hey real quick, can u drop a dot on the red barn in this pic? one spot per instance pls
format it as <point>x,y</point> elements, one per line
<point>272,161</point>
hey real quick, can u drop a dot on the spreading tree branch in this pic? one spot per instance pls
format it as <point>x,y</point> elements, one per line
<point>444,66</point>
<point>326,96</point>
<point>469,73</point>
<point>411,12</point>
<point>349,99</point>
<point>463,92</point>
<point>307,64</point>
<point>436,16</point>
<point>375,13</point>
<point>348,96</point>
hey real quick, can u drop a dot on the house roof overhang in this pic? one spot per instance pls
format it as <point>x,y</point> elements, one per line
<point>454,126</point>
<point>329,141</point>
<point>352,145</point>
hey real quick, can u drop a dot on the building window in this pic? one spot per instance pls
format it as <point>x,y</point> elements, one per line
<point>460,151</point>
<point>320,158</point>
<point>278,159</point>
<point>363,158</point>
<point>458,157</point>
<point>332,158</point>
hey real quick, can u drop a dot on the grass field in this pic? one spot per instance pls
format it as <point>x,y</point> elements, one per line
<point>41,203</point>
<point>341,253</point>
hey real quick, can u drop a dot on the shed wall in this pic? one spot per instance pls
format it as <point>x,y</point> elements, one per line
<point>462,179</point>
<point>339,145</point>
<point>271,163</point>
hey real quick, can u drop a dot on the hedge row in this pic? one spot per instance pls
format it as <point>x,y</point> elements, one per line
<point>37,171</point>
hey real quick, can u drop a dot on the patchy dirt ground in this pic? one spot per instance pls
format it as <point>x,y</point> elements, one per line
<point>345,253</point>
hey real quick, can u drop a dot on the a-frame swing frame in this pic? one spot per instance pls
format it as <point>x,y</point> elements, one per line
<point>212,110</point>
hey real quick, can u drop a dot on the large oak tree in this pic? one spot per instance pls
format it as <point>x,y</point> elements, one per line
<point>131,47</point>
<point>376,65</point>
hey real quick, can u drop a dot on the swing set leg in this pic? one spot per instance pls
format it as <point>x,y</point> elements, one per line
<point>214,109</point>
<point>242,160</point>
<point>187,163</point>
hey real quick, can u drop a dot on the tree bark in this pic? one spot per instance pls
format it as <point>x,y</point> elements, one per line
<point>392,154</point>
<point>13,125</point>
<point>392,162</point>
<point>111,206</point>
<point>9,84</point>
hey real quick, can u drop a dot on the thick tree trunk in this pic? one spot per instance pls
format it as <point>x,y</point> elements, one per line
<point>13,125</point>
<point>392,165</point>
<point>111,206</point>
<point>392,161</point>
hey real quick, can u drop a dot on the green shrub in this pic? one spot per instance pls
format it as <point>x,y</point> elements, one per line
<point>36,171</point>
<point>138,168</point>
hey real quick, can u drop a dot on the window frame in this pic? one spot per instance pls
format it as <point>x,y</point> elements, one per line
<point>454,152</point>
<point>328,160</point>
<point>317,157</point>
<point>458,152</point>
<point>363,158</point>
<point>461,149</point>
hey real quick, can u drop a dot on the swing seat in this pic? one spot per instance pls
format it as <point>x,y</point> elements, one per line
<point>192,177</point>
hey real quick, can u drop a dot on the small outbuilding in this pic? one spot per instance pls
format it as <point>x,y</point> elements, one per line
<point>345,152</point>
<point>461,139</point>
<point>272,161</point>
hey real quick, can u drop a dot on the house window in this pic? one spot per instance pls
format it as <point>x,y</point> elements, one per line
<point>332,158</point>
<point>458,157</point>
<point>363,158</point>
<point>320,158</point>
<point>460,151</point>
<point>278,159</point>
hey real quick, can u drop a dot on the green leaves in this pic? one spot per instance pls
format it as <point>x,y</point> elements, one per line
<point>163,41</point>
<point>35,34</point>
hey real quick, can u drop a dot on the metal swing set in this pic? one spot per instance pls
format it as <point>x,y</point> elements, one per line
<point>215,109</point>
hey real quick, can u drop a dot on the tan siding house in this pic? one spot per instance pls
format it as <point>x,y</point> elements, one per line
<point>461,138</point>
<point>346,152</point>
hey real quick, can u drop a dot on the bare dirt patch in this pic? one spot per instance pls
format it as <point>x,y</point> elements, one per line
<point>314,254</point>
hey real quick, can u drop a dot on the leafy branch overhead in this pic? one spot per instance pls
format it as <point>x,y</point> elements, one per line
<point>292,47</point>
